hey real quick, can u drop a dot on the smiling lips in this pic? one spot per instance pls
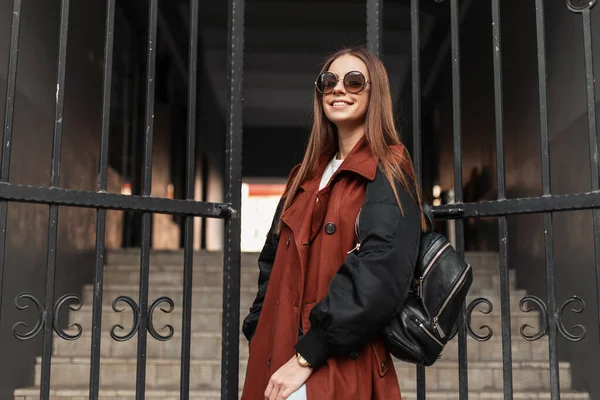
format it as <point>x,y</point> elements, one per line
<point>340,104</point>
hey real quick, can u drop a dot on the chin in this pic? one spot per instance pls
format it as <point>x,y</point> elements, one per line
<point>341,116</point>
<point>336,117</point>
<point>344,121</point>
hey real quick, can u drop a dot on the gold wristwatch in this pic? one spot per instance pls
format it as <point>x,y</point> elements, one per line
<point>301,361</point>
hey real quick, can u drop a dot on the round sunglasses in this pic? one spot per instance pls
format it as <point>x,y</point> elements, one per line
<point>354,82</point>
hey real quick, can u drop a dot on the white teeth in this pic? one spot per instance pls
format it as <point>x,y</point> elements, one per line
<point>340,104</point>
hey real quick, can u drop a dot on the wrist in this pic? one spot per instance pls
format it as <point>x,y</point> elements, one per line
<point>314,347</point>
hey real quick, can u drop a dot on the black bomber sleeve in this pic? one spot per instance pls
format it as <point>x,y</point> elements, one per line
<point>373,282</point>
<point>265,265</point>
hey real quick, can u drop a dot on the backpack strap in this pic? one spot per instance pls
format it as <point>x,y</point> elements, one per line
<point>429,216</point>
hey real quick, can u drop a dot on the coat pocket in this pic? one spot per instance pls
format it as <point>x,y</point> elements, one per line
<point>380,358</point>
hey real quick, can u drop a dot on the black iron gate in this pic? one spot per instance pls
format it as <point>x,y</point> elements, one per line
<point>54,196</point>
<point>546,204</point>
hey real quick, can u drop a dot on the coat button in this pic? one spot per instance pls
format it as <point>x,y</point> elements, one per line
<point>330,228</point>
<point>354,355</point>
<point>383,366</point>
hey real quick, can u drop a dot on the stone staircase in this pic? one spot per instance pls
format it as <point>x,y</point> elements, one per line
<point>71,359</point>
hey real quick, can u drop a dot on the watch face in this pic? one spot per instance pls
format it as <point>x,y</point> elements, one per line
<point>301,360</point>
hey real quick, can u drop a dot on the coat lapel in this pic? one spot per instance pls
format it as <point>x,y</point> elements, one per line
<point>305,215</point>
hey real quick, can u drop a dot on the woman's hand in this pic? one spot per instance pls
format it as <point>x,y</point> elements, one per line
<point>286,380</point>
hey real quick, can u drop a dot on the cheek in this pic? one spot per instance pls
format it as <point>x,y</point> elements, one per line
<point>324,107</point>
<point>362,111</point>
<point>327,113</point>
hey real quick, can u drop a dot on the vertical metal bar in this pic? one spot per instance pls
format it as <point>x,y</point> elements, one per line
<point>542,95</point>
<point>416,120</point>
<point>498,99</point>
<point>11,85</point>
<point>416,86</point>
<point>53,214</point>
<point>591,103</point>
<point>548,226</point>
<point>101,213</point>
<point>188,246</point>
<point>374,26</point>
<point>458,188</point>
<point>502,228</point>
<point>146,190</point>
<point>233,196</point>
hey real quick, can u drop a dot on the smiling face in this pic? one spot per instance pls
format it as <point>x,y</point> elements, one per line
<point>340,106</point>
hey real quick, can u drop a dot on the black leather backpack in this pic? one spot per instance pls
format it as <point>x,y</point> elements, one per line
<point>423,324</point>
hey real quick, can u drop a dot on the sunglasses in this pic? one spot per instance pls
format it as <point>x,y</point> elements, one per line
<point>354,82</point>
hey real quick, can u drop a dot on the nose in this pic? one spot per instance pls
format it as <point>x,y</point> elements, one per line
<point>339,87</point>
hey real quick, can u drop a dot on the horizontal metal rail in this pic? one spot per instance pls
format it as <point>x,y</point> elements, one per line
<point>525,205</point>
<point>112,201</point>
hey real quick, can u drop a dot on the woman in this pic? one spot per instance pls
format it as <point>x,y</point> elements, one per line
<point>330,281</point>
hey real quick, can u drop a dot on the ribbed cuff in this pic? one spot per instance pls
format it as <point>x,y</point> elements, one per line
<point>314,348</point>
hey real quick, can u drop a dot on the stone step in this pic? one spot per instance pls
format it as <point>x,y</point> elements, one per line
<point>173,275</point>
<point>250,264</point>
<point>204,346</point>
<point>479,260</point>
<point>208,346</point>
<point>169,257</point>
<point>211,297</point>
<point>73,372</point>
<point>209,320</point>
<point>204,297</point>
<point>211,276</point>
<point>33,393</point>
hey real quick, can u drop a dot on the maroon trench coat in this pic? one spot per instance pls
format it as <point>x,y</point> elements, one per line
<point>317,234</point>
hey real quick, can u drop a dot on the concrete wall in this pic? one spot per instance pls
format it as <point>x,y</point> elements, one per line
<point>570,167</point>
<point>26,246</point>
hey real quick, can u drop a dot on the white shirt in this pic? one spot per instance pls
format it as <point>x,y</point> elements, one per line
<point>330,169</point>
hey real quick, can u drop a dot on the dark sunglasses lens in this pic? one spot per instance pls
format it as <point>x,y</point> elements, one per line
<point>354,81</point>
<point>326,82</point>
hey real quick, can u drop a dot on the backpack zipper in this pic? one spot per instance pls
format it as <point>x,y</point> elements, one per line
<point>456,287</point>
<point>431,335</point>
<point>421,325</point>
<point>429,266</point>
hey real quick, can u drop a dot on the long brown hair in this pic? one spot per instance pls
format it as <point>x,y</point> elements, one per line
<point>380,132</point>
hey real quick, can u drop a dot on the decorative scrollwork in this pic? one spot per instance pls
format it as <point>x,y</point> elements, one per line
<point>136,318</point>
<point>469,312</point>
<point>40,317</point>
<point>544,312</point>
<point>578,6</point>
<point>62,301</point>
<point>561,326</point>
<point>151,329</point>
